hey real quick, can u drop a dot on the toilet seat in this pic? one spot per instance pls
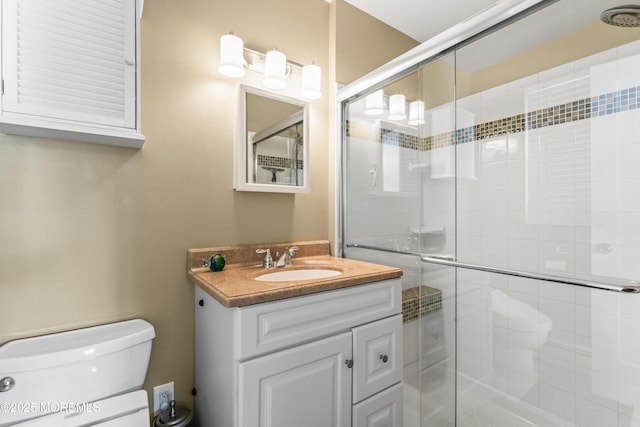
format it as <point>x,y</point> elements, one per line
<point>517,315</point>
<point>126,410</point>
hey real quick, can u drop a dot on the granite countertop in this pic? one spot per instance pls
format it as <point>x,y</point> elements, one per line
<point>235,285</point>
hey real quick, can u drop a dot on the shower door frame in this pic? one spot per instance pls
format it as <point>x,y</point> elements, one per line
<point>470,30</point>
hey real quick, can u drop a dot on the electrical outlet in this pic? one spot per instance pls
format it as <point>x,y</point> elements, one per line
<point>162,395</point>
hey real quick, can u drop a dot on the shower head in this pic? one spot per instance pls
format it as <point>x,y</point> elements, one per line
<point>627,15</point>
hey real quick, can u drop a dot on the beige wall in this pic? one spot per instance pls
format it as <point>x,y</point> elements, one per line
<point>357,33</point>
<point>587,41</point>
<point>434,83</point>
<point>92,234</point>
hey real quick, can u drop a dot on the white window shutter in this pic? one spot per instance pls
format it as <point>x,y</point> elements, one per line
<point>74,60</point>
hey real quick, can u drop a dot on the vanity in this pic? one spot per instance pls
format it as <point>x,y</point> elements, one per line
<point>308,351</point>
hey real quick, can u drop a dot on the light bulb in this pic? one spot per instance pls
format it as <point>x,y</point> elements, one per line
<point>397,107</point>
<point>374,103</point>
<point>416,113</point>
<point>231,56</point>
<point>310,86</point>
<point>275,68</point>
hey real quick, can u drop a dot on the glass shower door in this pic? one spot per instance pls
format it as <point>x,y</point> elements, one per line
<point>553,197</point>
<point>399,202</point>
<point>509,199</point>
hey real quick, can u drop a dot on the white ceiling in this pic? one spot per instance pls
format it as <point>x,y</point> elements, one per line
<point>423,19</point>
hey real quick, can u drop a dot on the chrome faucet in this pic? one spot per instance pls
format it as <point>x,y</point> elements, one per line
<point>285,258</point>
<point>280,260</point>
<point>268,261</point>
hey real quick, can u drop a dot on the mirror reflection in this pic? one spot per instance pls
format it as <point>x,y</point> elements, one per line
<point>274,142</point>
<point>277,147</point>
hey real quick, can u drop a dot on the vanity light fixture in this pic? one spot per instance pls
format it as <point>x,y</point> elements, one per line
<point>416,113</point>
<point>397,107</point>
<point>374,103</point>
<point>310,86</point>
<point>275,70</point>
<point>234,58</point>
<point>231,56</point>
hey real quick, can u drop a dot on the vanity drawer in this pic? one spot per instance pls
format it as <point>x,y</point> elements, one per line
<point>268,327</point>
<point>384,409</point>
<point>377,355</point>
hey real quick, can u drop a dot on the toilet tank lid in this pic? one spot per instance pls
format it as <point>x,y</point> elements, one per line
<point>44,351</point>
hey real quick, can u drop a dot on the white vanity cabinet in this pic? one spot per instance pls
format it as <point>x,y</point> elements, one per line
<point>70,70</point>
<point>330,359</point>
<point>301,386</point>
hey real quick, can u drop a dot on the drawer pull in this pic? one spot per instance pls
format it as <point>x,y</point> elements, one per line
<point>384,358</point>
<point>349,363</point>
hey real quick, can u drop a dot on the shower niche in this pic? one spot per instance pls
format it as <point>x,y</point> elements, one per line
<point>271,149</point>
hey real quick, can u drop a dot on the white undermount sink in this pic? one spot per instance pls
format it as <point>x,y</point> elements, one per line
<point>301,274</point>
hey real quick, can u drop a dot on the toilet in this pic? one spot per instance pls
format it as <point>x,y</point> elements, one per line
<point>84,377</point>
<point>525,330</point>
<point>518,322</point>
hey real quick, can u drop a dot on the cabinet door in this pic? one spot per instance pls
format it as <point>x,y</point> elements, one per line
<point>381,410</point>
<point>377,355</point>
<point>70,70</point>
<point>308,385</point>
<point>70,60</point>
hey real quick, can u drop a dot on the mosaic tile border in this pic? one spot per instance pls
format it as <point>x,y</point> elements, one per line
<point>582,109</point>
<point>401,139</point>
<point>419,301</point>
<point>278,162</point>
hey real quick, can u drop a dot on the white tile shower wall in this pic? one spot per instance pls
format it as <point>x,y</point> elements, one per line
<point>556,199</point>
<point>568,204</point>
<point>569,354</point>
<point>376,217</point>
<point>438,199</point>
<point>438,365</point>
<point>614,211</point>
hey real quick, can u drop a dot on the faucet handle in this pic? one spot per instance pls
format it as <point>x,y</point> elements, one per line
<point>268,261</point>
<point>289,254</point>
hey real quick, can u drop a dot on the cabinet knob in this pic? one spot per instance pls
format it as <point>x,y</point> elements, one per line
<point>349,363</point>
<point>201,303</point>
<point>384,358</point>
<point>6,384</point>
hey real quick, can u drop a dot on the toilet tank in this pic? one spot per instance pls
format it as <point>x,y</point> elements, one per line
<point>54,372</point>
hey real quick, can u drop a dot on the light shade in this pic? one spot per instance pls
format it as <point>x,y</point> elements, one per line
<point>275,68</point>
<point>374,103</point>
<point>397,107</point>
<point>416,113</point>
<point>310,86</point>
<point>231,56</point>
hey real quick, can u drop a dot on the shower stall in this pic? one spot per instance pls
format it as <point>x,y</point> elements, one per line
<point>498,164</point>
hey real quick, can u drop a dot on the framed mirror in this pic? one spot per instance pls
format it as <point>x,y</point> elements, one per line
<point>271,149</point>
